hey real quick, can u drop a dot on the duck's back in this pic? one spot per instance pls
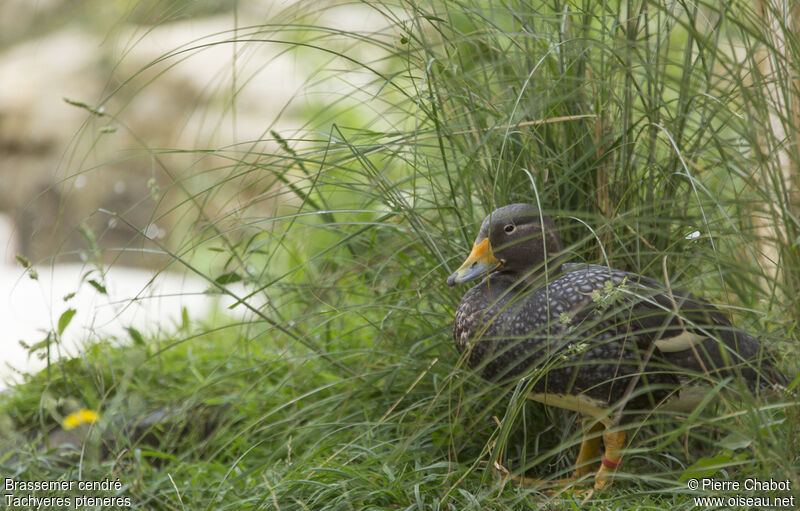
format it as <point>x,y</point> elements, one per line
<point>590,330</point>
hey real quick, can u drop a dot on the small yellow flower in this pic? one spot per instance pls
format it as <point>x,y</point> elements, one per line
<point>84,416</point>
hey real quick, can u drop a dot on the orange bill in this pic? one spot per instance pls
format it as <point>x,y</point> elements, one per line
<point>481,261</point>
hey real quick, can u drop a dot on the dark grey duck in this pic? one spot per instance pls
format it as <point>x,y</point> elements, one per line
<point>607,343</point>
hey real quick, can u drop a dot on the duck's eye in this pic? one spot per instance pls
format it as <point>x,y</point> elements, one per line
<point>510,228</point>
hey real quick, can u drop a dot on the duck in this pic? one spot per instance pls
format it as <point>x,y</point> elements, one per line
<point>609,344</point>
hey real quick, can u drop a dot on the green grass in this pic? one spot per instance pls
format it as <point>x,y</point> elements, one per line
<point>633,125</point>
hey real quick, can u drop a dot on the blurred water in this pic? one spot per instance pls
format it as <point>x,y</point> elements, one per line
<point>31,308</point>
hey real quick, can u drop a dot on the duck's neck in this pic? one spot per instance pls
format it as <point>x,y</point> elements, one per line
<point>524,278</point>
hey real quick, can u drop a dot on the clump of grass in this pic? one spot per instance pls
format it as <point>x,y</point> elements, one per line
<point>635,126</point>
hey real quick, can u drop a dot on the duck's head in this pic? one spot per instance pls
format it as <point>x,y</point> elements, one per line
<point>514,240</point>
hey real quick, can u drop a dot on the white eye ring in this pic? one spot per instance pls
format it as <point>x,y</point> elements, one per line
<point>510,228</point>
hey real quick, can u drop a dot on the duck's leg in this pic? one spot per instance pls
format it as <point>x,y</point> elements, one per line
<point>614,441</point>
<point>585,463</point>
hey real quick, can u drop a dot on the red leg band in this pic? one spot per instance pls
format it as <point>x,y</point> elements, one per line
<point>610,464</point>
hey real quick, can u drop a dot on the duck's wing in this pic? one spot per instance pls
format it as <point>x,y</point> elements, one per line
<point>688,332</point>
